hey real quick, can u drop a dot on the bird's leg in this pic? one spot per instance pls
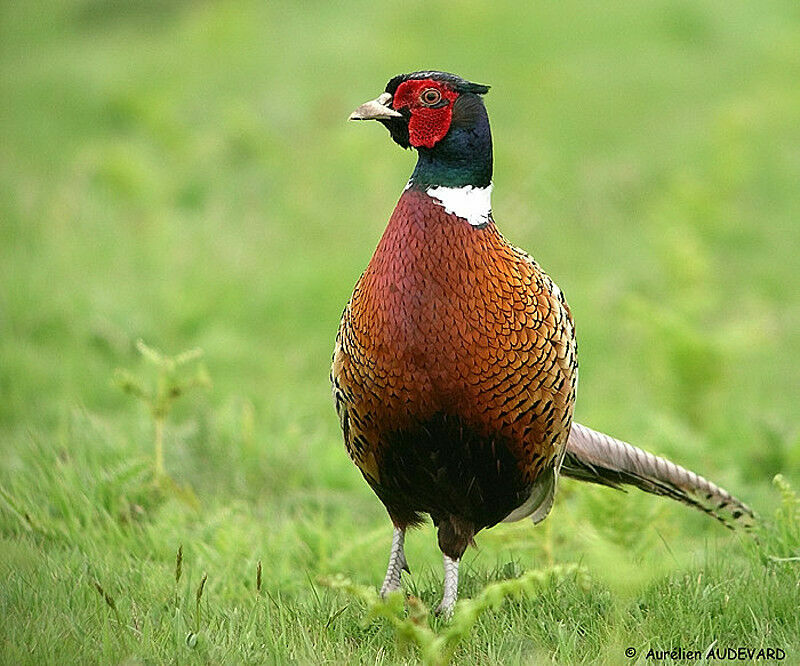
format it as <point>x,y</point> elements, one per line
<point>455,534</point>
<point>397,563</point>
<point>445,608</point>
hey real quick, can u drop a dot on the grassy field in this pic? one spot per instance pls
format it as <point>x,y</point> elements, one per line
<point>183,173</point>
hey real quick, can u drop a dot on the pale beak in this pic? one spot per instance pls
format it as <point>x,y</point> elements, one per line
<point>376,109</point>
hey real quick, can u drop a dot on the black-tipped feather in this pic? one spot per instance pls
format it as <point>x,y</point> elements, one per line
<point>597,458</point>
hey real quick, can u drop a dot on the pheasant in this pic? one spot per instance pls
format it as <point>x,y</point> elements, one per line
<point>455,366</point>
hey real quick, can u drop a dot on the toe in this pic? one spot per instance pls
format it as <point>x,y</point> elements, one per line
<point>445,610</point>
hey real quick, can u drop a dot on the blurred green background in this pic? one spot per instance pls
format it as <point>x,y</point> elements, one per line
<point>183,173</point>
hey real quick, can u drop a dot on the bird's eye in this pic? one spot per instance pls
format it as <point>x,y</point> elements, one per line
<point>431,96</point>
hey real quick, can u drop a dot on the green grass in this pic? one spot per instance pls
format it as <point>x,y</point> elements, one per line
<point>183,173</point>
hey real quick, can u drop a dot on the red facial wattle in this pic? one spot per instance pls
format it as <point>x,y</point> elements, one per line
<point>428,124</point>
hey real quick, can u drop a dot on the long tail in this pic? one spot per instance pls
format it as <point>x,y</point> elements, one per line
<point>597,458</point>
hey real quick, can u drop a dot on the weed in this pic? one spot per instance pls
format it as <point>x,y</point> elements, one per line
<point>438,645</point>
<point>160,394</point>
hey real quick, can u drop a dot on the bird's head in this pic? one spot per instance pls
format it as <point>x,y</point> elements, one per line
<point>421,108</point>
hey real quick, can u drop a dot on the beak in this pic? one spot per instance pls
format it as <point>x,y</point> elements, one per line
<point>376,109</point>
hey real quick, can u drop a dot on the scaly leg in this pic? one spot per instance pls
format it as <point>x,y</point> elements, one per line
<point>397,563</point>
<point>450,595</point>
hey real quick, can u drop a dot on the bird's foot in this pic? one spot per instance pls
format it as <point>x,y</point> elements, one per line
<point>447,606</point>
<point>445,609</point>
<point>397,564</point>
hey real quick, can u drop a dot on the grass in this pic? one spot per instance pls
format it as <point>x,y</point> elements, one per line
<point>182,173</point>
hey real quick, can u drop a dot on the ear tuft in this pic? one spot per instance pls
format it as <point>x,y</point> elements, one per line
<point>477,88</point>
<point>456,82</point>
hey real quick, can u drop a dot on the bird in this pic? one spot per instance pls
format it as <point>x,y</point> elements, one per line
<point>455,366</point>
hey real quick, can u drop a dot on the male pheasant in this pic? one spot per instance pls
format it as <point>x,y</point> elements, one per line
<point>455,367</point>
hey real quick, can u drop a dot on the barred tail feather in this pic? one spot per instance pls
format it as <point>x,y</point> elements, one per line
<point>597,458</point>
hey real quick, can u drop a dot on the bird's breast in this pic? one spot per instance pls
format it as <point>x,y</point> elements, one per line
<point>435,298</point>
